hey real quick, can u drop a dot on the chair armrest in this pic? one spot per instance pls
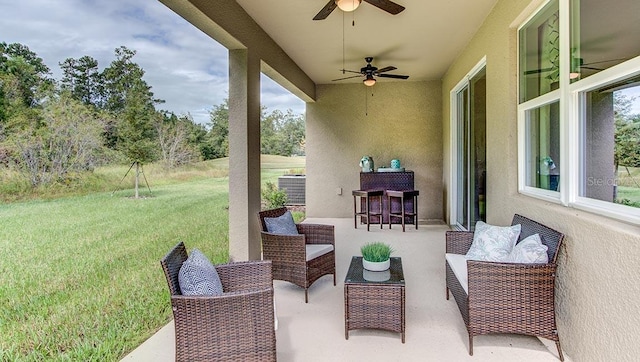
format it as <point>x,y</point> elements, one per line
<point>318,233</point>
<point>458,242</point>
<point>284,248</point>
<point>509,284</point>
<point>245,275</point>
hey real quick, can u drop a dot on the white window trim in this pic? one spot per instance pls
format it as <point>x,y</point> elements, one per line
<point>543,100</point>
<point>571,98</point>
<point>547,195</point>
<point>577,90</point>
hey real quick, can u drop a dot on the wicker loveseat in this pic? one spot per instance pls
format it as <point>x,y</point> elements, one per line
<point>235,326</point>
<point>507,297</point>
<point>292,255</point>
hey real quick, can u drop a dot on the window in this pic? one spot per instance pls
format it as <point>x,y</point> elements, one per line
<point>603,34</point>
<point>579,106</point>
<point>610,166</point>
<point>540,53</point>
<point>543,147</point>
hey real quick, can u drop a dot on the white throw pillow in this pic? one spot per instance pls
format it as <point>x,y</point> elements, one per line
<point>492,243</point>
<point>530,250</point>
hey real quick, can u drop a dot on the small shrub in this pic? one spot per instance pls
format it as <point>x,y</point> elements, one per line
<point>376,251</point>
<point>274,197</point>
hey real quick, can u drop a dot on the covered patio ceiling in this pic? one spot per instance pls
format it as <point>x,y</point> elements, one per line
<point>422,41</point>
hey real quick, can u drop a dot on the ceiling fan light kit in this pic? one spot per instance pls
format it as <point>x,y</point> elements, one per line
<point>370,72</point>
<point>369,81</point>
<point>348,5</point>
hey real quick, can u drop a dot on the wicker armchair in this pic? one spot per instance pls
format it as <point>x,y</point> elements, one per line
<point>506,297</point>
<point>235,326</point>
<point>288,253</point>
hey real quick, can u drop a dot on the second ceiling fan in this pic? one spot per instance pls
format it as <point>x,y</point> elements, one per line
<point>369,71</point>
<point>350,5</point>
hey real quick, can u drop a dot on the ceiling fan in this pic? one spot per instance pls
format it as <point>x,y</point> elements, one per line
<point>350,5</point>
<point>369,72</point>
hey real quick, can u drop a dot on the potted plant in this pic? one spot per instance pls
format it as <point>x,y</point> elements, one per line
<point>375,256</point>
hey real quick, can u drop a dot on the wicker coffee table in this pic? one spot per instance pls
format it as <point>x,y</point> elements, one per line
<point>373,301</point>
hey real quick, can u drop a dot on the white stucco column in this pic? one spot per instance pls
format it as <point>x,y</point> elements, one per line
<point>244,155</point>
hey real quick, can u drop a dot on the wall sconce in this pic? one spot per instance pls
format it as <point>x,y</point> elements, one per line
<point>348,5</point>
<point>370,81</point>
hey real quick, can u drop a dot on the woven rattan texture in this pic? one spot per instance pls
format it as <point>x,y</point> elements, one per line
<point>375,305</point>
<point>288,252</point>
<point>506,297</point>
<point>387,181</point>
<point>235,326</point>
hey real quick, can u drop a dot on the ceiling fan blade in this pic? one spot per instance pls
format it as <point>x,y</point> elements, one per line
<point>602,61</point>
<point>353,76</point>
<point>350,71</point>
<point>386,69</point>
<point>395,76</point>
<point>386,5</point>
<point>331,5</point>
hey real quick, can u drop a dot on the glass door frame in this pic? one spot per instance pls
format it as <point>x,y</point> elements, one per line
<point>455,108</point>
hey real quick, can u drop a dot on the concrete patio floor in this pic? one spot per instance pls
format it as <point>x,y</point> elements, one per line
<point>434,328</point>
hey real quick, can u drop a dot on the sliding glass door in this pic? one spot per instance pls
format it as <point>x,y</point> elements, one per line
<point>470,151</point>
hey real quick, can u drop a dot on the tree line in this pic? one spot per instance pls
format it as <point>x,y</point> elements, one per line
<point>51,130</point>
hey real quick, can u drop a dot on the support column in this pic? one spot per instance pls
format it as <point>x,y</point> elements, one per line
<point>244,155</point>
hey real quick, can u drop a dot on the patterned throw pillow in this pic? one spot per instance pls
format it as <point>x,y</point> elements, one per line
<point>198,276</point>
<point>530,250</point>
<point>493,243</point>
<point>282,224</point>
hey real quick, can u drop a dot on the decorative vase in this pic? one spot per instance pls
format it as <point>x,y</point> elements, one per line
<point>376,266</point>
<point>366,162</point>
<point>395,163</point>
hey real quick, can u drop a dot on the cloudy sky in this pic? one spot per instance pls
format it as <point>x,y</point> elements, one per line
<point>184,67</point>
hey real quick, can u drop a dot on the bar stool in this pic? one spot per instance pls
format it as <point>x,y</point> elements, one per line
<point>403,195</point>
<point>367,213</point>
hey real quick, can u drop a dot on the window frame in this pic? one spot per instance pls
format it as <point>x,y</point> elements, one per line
<point>572,98</point>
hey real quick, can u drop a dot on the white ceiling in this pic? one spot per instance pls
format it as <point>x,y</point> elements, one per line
<point>421,41</point>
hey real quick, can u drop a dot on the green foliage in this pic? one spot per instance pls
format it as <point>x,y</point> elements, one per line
<point>178,138</point>
<point>282,133</point>
<point>273,197</point>
<point>66,141</point>
<point>218,140</point>
<point>30,75</point>
<point>121,104</point>
<point>376,251</point>
<point>627,133</point>
<point>83,79</point>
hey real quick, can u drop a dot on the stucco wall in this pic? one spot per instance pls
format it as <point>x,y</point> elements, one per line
<point>401,120</point>
<point>598,277</point>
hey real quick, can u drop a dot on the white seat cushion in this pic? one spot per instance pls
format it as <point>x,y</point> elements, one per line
<point>458,264</point>
<point>316,250</point>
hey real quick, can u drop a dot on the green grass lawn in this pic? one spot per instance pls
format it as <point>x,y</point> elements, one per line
<point>81,278</point>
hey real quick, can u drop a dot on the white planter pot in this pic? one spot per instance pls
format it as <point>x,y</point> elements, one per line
<point>376,266</point>
<point>376,276</point>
